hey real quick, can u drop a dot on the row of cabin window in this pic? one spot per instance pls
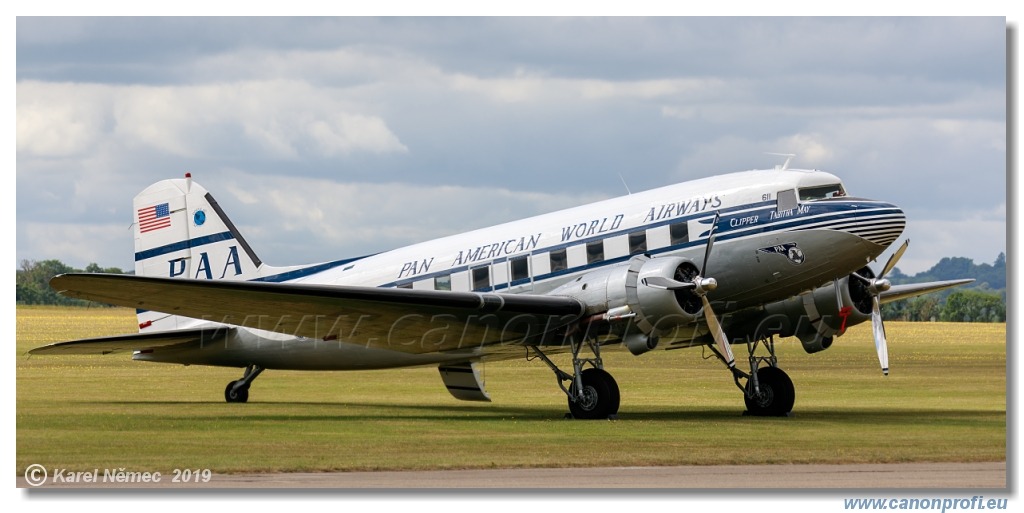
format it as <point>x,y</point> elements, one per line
<point>518,268</point>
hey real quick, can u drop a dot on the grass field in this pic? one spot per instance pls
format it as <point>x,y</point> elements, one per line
<point>944,401</point>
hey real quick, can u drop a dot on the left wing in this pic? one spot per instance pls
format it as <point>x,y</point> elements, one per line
<point>412,321</point>
<point>136,342</point>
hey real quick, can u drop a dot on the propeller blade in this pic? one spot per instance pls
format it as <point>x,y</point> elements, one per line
<point>869,281</point>
<point>717,333</point>
<point>894,258</point>
<point>661,282</point>
<point>711,242</point>
<point>881,346</point>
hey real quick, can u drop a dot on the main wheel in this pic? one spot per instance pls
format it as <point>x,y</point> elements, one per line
<point>777,393</point>
<point>236,396</point>
<point>600,396</point>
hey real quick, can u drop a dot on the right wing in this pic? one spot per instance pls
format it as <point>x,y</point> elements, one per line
<point>407,320</point>
<point>136,342</point>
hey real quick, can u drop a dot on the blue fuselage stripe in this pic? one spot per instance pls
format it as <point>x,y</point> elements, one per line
<point>185,244</point>
<point>306,271</point>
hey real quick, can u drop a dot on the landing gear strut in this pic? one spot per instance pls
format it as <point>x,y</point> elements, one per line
<point>592,392</point>
<point>238,391</point>
<point>767,390</point>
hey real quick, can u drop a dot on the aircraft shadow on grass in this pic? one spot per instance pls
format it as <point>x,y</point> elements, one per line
<point>357,411</point>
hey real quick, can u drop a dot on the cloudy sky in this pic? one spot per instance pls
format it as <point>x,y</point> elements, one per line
<point>329,138</point>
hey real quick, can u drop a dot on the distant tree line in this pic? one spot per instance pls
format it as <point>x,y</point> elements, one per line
<point>983,301</point>
<point>33,282</point>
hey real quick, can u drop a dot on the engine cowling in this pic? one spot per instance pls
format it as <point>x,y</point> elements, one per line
<point>817,316</point>
<point>618,293</point>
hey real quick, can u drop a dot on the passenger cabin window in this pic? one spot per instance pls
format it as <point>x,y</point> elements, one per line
<point>638,242</point>
<point>559,261</point>
<point>786,200</point>
<point>678,233</point>
<point>595,251</point>
<point>443,282</point>
<point>822,192</point>
<point>405,286</point>
<point>481,278</point>
<point>520,267</point>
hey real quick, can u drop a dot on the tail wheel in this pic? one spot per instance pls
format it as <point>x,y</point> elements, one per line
<point>600,398</point>
<point>236,396</point>
<point>776,393</point>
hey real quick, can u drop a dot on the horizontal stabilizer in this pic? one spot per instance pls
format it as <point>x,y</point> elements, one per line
<point>137,342</point>
<point>898,292</point>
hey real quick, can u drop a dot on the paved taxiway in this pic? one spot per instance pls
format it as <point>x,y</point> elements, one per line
<point>774,477</point>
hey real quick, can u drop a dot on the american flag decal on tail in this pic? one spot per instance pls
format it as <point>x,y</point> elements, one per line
<point>154,217</point>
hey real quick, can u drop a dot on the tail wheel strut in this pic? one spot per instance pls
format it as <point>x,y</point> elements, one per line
<point>238,391</point>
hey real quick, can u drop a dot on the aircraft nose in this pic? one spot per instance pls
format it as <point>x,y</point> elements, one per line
<point>886,226</point>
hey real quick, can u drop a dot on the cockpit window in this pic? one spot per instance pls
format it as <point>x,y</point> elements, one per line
<point>822,192</point>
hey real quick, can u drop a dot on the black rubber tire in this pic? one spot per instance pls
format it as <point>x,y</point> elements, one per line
<point>601,396</point>
<point>239,396</point>
<point>777,393</point>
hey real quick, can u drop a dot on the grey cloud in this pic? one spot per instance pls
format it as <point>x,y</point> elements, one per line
<point>902,109</point>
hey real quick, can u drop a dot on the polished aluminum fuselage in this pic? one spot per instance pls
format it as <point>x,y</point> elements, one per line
<point>762,253</point>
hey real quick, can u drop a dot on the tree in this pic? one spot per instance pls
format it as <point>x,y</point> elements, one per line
<point>33,282</point>
<point>925,308</point>
<point>973,306</point>
<point>990,280</point>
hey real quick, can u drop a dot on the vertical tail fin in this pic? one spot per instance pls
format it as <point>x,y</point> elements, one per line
<point>181,232</point>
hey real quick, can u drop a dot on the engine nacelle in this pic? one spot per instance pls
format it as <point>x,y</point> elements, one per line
<point>618,293</point>
<point>817,316</point>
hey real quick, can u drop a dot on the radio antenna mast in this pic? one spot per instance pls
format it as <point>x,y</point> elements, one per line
<point>624,184</point>
<point>785,165</point>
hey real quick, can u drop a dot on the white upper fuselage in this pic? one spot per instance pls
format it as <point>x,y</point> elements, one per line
<point>518,256</point>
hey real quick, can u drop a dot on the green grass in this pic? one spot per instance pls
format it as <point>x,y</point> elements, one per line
<point>945,401</point>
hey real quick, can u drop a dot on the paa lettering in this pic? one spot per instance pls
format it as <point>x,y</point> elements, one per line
<point>415,267</point>
<point>177,267</point>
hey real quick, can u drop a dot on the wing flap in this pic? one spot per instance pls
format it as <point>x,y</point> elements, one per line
<point>134,342</point>
<point>414,321</point>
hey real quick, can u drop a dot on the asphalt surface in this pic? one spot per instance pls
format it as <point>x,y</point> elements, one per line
<point>749,477</point>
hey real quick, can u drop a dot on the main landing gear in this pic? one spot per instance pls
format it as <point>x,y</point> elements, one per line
<point>767,391</point>
<point>238,390</point>
<point>592,392</point>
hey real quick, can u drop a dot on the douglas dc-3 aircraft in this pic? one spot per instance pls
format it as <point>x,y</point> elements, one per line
<point>733,259</point>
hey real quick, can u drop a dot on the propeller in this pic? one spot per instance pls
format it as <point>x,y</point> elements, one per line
<point>705,285</point>
<point>876,286</point>
<point>701,286</point>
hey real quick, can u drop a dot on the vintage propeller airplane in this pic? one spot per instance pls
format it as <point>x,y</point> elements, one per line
<point>734,259</point>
